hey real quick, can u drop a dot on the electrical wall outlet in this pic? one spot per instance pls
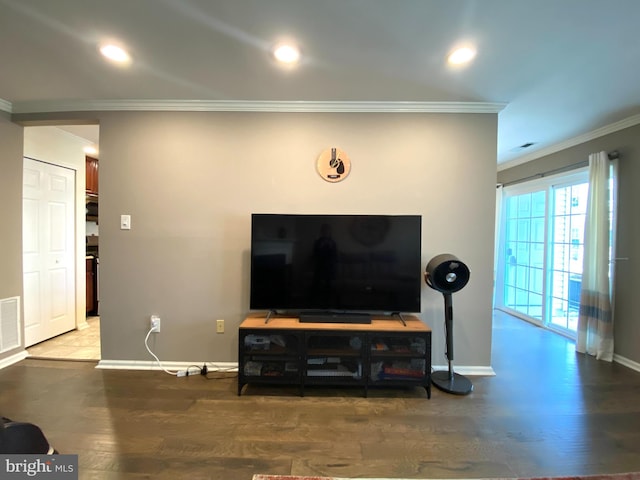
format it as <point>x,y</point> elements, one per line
<point>155,323</point>
<point>219,326</point>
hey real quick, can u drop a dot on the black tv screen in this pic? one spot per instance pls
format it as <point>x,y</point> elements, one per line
<point>341,263</point>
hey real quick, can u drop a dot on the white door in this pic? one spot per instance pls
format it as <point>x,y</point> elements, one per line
<point>48,198</point>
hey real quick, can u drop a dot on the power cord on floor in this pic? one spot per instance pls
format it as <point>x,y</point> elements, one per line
<point>205,371</point>
<point>218,371</point>
<point>192,369</point>
<point>146,339</point>
<point>189,371</point>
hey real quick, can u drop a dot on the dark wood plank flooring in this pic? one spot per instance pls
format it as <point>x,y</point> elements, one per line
<point>548,411</point>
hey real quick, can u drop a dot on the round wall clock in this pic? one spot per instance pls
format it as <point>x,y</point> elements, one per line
<point>333,165</point>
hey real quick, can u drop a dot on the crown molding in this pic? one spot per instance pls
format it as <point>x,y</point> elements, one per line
<point>256,106</point>
<point>572,142</point>
<point>5,106</point>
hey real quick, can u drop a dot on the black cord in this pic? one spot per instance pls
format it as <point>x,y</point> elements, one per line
<point>219,375</point>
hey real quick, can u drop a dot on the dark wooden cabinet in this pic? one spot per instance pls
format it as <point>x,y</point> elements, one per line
<point>287,352</point>
<point>91,175</point>
<point>92,284</point>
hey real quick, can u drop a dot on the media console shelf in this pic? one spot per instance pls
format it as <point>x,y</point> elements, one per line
<point>285,351</point>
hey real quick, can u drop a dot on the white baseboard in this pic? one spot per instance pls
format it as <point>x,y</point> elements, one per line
<point>233,366</point>
<point>171,366</point>
<point>82,324</point>
<point>11,359</point>
<point>626,362</point>
<point>469,370</point>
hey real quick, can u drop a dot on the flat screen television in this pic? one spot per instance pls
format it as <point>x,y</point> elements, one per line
<point>336,263</point>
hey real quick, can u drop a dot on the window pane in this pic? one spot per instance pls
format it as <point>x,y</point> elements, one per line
<point>522,251</point>
<point>537,230</point>
<point>522,254</point>
<point>524,206</point>
<point>535,306</point>
<point>561,229</point>
<point>523,230</point>
<point>522,300</point>
<point>575,282</point>
<point>559,313</point>
<point>522,277</point>
<point>512,229</point>
<point>510,297</point>
<point>536,280</point>
<point>579,194</point>
<point>561,203</point>
<point>537,255</point>
<point>560,257</point>
<point>538,200</point>
<point>560,287</point>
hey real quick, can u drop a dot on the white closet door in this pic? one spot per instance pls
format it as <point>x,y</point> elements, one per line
<point>48,201</point>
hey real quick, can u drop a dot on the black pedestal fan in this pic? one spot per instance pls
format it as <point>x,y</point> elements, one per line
<point>446,274</point>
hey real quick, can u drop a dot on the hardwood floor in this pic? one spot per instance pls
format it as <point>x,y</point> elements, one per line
<point>548,411</point>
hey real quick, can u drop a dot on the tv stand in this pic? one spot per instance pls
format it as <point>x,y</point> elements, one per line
<point>334,317</point>
<point>382,353</point>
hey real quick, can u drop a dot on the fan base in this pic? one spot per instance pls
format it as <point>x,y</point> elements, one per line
<point>456,383</point>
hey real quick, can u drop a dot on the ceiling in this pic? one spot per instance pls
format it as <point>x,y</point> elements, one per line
<point>554,69</point>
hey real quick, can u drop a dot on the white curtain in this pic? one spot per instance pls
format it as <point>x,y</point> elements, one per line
<point>595,322</point>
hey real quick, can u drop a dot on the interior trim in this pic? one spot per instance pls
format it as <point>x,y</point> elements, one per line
<point>468,370</point>
<point>627,362</point>
<point>233,366</point>
<point>15,358</point>
<point>153,365</point>
<point>254,106</point>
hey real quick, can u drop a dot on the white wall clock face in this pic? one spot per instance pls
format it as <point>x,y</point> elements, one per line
<point>333,165</point>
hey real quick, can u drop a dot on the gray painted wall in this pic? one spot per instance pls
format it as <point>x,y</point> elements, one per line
<point>11,211</point>
<point>191,180</point>
<point>627,300</point>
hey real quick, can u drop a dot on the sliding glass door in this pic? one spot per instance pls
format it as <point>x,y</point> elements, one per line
<point>567,246</point>
<point>540,254</point>
<point>524,250</point>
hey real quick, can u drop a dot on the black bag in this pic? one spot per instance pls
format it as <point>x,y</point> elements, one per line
<point>23,438</point>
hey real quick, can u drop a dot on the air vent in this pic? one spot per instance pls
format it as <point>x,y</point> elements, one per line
<point>9,324</point>
<point>524,146</point>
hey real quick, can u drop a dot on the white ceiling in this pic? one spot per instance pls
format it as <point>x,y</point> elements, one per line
<point>562,67</point>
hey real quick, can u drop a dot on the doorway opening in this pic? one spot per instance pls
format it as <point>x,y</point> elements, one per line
<point>71,147</point>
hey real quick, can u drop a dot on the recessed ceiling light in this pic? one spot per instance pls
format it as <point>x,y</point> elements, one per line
<point>115,53</point>
<point>286,53</point>
<point>461,55</point>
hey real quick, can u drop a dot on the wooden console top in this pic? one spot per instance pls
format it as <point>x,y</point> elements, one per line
<point>380,324</point>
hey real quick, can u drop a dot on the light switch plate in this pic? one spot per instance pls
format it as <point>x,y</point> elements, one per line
<point>125,222</point>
